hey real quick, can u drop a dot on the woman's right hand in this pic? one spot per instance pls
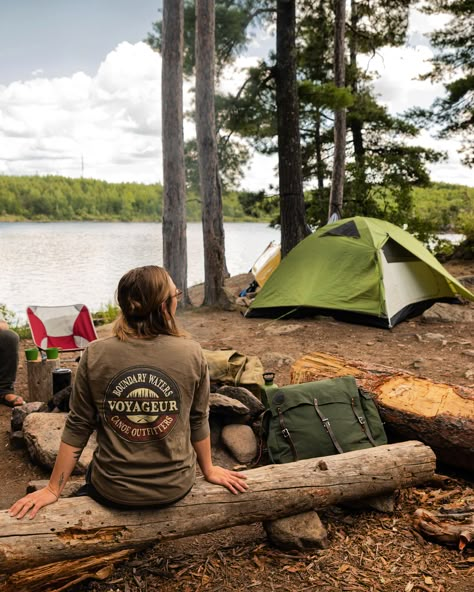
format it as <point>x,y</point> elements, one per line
<point>31,503</point>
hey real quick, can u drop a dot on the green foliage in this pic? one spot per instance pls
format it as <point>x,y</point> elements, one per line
<point>59,198</point>
<point>449,208</point>
<point>382,165</point>
<point>232,158</point>
<point>467,226</point>
<point>10,318</point>
<point>106,314</point>
<point>7,315</point>
<point>232,20</point>
<point>255,204</point>
<point>453,62</point>
<point>24,331</point>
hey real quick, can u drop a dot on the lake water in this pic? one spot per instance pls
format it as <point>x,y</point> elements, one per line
<point>81,262</point>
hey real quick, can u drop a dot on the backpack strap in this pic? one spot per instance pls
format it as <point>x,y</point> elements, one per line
<point>327,426</point>
<point>286,434</point>
<point>363,423</point>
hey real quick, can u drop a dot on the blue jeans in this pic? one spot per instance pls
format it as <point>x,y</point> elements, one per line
<point>9,344</point>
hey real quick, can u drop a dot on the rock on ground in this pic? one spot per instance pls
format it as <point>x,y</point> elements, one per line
<point>300,532</point>
<point>241,441</point>
<point>42,432</point>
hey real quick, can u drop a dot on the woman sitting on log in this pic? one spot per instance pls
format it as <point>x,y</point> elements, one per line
<point>146,392</point>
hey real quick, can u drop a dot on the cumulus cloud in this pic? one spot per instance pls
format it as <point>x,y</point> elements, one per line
<point>398,83</point>
<point>396,72</point>
<point>94,125</point>
<point>108,125</point>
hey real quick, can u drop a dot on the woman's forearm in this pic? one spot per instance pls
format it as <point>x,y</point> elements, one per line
<point>203,455</point>
<point>233,481</point>
<point>63,467</point>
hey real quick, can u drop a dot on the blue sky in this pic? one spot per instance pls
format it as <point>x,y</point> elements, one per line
<point>60,37</point>
<point>80,92</point>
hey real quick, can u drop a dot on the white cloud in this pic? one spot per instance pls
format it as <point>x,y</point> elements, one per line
<point>111,122</point>
<point>397,84</point>
<point>422,23</point>
<point>108,125</point>
<point>262,173</point>
<point>235,75</point>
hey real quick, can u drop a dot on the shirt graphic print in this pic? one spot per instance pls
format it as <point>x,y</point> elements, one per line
<point>142,404</point>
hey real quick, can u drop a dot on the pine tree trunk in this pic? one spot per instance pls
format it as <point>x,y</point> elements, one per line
<point>174,197</point>
<point>355,120</point>
<point>338,171</point>
<point>212,218</point>
<point>292,210</point>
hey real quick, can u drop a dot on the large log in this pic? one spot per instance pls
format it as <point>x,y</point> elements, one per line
<point>440,415</point>
<point>78,527</point>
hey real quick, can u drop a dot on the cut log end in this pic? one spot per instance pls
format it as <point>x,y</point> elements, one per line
<point>412,408</point>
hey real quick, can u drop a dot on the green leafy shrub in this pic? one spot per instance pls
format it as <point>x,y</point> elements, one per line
<point>106,314</point>
<point>23,330</point>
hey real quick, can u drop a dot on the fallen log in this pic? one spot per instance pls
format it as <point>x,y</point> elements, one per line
<point>60,576</point>
<point>454,528</point>
<point>78,527</point>
<point>412,408</point>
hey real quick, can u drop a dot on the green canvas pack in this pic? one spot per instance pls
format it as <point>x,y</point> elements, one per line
<point>320,419</point>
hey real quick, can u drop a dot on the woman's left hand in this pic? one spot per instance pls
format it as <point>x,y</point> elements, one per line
<point>232,480</point>
<point>32,502</point>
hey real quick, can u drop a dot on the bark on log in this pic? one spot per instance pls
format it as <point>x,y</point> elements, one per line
<point>454,528</point>
<point>413,408</point>
<point>60,576</point>
<point>79,527</point>
<point>40,379</point>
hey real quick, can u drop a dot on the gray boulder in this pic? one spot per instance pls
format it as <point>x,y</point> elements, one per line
<point>42,433</point>
<point>19,413</point>
<point>222,404</point>
<point>241,442</point>
<point>254,405</point>
<point>298,532</point>
<point>442,312</point>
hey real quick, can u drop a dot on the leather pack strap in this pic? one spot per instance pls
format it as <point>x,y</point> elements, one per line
<point>363,423</point>
<point>286,434</point>
<point>327,426</point>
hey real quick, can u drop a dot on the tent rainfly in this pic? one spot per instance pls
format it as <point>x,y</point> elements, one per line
<point>360,270</point>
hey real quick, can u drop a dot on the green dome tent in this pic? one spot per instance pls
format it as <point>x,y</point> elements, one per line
<point>360,270</point>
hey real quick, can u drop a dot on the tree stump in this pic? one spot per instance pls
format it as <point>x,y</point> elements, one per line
<point>40,379</point>
<point>412,408</point>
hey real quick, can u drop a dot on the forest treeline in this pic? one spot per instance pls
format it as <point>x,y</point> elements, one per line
<point>448,208</point>
<point>48,198</point>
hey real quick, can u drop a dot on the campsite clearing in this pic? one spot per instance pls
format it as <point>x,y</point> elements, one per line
<point>368,551</point>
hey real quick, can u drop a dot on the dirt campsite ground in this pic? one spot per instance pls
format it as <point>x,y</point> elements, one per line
<point>368,551</point>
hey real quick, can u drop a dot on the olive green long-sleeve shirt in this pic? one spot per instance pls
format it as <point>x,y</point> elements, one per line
<point>148,400</point>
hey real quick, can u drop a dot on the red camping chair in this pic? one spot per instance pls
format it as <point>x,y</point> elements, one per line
<point>69,328</point>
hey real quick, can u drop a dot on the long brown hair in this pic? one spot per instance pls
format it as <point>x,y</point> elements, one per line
<point>144,297</point>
